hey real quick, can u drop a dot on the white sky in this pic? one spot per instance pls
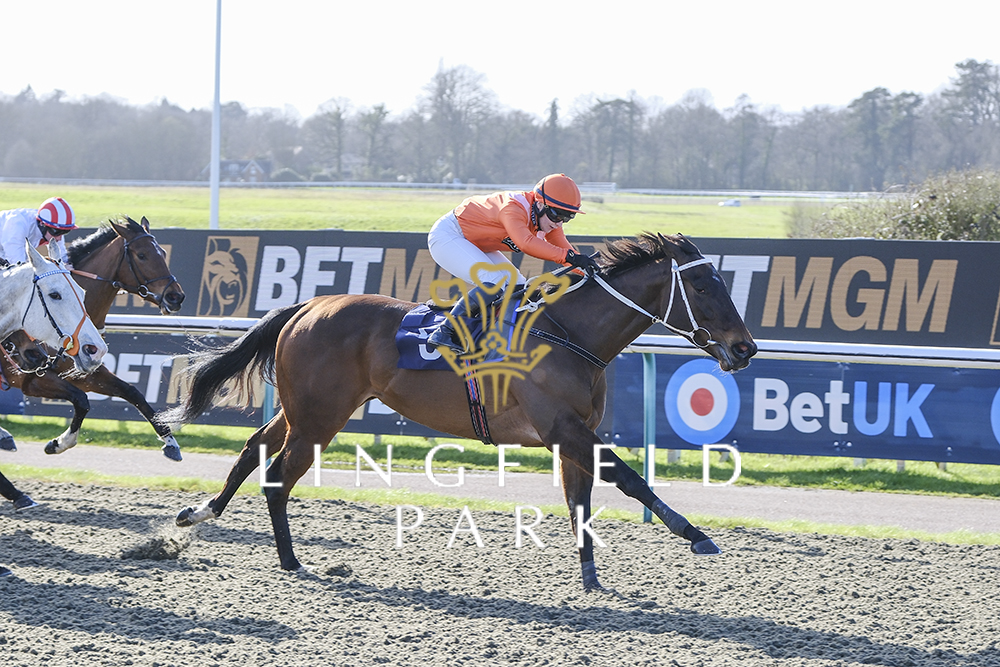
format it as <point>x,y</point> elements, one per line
<point>300,53</point>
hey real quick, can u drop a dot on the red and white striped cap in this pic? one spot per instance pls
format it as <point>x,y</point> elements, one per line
<point>56,213</point>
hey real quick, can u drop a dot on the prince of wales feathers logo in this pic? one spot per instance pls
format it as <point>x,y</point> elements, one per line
<point>500,354</point>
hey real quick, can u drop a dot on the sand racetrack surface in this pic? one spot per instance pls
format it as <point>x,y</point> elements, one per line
<point>770,599</point>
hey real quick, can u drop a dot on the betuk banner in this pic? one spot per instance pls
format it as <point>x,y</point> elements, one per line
<point>815,408</point>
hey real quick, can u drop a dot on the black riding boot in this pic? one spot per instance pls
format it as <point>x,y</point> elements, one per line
<point>445,333</point>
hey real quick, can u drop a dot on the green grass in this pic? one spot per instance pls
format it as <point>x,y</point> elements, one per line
<point>389,210</point>
<point>408,453</point>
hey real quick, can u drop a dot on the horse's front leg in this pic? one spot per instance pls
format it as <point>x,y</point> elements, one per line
<point>50,385</point>
<point>103,381</point>
<point>271,436</point>
<point>577,486</point>
<point>629,482</point>
<point>577,448</point>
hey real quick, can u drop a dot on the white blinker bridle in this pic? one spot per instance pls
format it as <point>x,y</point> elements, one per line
<point>676,285</point>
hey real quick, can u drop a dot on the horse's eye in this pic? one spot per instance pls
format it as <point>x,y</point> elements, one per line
<point>55,296</point>
<point>700,290</point>
<point>142,257</point>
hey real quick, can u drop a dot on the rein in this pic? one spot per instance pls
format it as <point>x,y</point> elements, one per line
<point>676,284</point>
<point>140,288</point>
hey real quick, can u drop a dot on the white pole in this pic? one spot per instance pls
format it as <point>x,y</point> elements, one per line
<point>213,219</point>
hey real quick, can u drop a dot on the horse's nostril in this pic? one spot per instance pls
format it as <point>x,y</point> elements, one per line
<point>90,349</point>
<point>175,298</point>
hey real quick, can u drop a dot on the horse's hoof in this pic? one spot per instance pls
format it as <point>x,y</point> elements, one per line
<point>7,443</point>
<point>705,548</point>
<point>24,502</point>
<point>172,452</point>
<point>184,517</point>
<point>5,571</point>
<point>53,447</point>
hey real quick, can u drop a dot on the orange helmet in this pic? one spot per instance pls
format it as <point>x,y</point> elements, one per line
<point>560,192</point>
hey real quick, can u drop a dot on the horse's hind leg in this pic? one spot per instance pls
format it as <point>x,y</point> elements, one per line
<point>294,460</point>
<point>271,436</point>
<point>21,500</point>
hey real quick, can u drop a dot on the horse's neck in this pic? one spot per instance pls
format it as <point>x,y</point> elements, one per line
<point>101,293</point>
<point>602,324</point>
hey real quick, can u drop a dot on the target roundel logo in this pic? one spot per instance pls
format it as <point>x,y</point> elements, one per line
<point>701,405</point>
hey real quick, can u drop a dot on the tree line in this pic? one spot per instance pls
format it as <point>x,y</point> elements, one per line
<point>459,131</point>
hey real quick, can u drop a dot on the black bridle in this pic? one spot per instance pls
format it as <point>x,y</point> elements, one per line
<point>140,288</point>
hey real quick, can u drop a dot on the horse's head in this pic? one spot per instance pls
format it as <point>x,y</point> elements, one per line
<point>691,298</point>
<point>55,314</point>
<point>147,271</point>
<point>712,321</point>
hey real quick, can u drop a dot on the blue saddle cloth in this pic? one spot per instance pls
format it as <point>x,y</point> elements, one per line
<point>416,327</point>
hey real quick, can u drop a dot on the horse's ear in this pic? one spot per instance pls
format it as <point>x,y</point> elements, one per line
<point>120,229</point>
<point>144,223</point>
<point>35,257</point>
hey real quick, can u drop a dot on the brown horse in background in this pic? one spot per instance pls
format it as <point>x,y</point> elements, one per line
<point>121,256</point>
<point>331,354</point>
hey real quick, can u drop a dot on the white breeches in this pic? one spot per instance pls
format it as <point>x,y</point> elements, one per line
<point>457,255</point>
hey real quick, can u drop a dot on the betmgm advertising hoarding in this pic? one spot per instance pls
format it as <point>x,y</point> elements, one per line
<point>902,293</point>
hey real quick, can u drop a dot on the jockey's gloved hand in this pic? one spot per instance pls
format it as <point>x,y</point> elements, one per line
<point>585,262</point>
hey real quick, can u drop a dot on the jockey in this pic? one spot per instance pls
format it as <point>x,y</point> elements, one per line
<point>45,225</point>
<point>479,228</point>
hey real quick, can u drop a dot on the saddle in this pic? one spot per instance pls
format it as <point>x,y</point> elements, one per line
<point>416,327</point>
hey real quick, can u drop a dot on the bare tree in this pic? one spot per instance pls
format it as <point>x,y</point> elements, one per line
<point>459,107</point>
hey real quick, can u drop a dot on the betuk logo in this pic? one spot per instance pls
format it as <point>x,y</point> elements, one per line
<point>500,354</point>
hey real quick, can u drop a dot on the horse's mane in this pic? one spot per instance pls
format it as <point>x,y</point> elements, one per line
<point>624,254</point>
<point>84,247</point>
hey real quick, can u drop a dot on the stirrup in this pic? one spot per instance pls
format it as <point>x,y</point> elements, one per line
<point>445,336</point>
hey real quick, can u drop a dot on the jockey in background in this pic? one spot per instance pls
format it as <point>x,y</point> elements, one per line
<point>479,228</point>
<point>45,225</point>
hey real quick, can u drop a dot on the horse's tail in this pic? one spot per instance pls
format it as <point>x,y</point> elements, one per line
<point>250,354</point>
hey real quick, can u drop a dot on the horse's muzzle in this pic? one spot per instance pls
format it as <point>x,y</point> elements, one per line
<point>172,301</point>
<point>734,356</point>
<point>90,356</point>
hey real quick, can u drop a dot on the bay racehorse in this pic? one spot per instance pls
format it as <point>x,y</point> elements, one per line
<point>330,354</point>
<point>42,299</point>
<point>120,256</point>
